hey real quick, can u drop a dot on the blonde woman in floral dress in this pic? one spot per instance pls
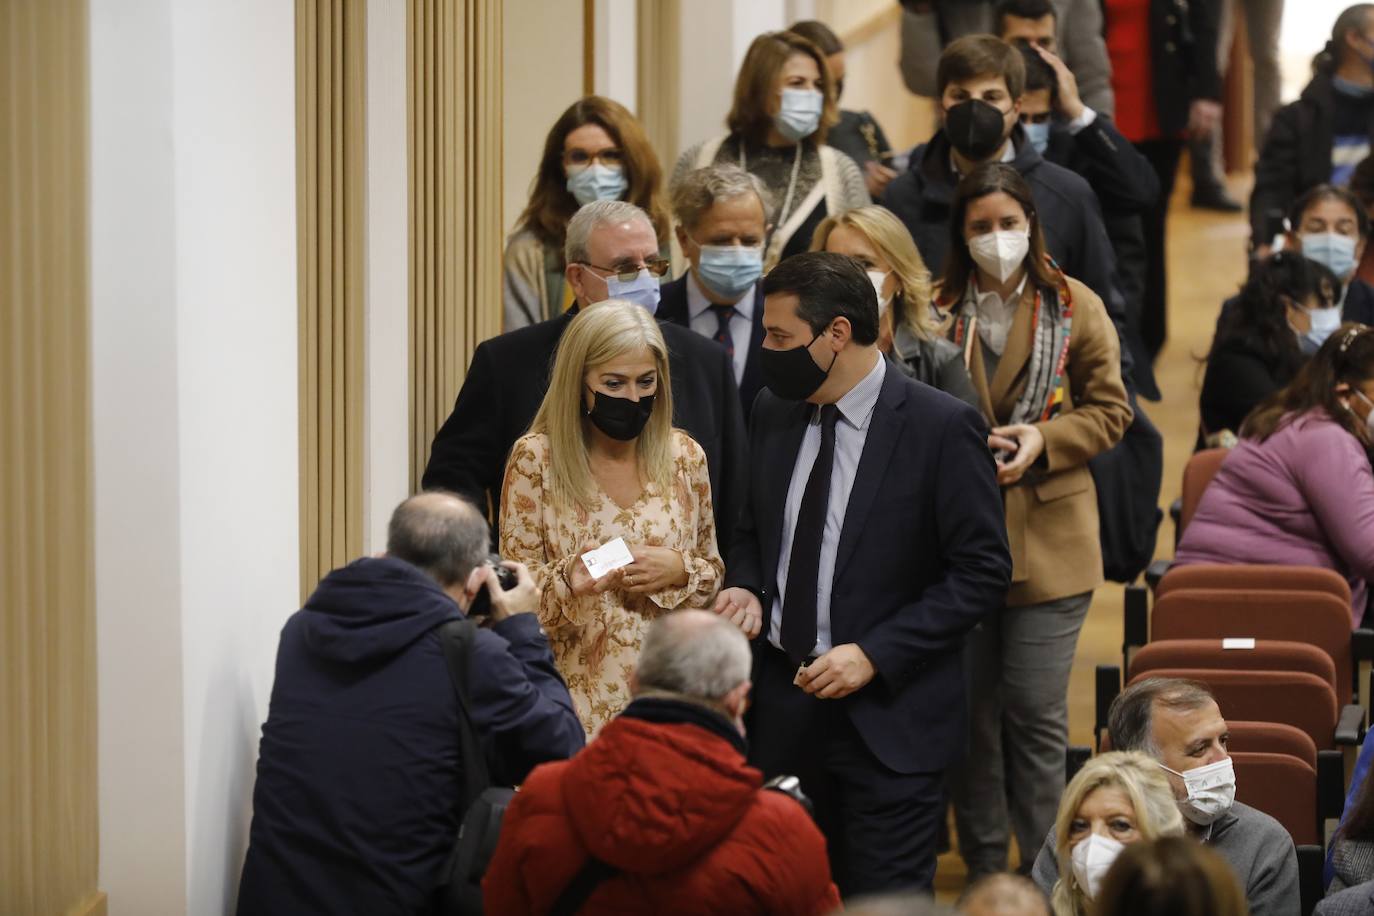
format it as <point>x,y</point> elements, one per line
<point>603,461</point>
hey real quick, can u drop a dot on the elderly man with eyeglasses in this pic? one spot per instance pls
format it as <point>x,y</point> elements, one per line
<point>611,252</point>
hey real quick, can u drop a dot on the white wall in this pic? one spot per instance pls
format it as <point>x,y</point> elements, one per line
<point>617,51</point>
<point>137,459</point>
<point>386,411</point>
<point>194,340</point>
<point>541,76</point>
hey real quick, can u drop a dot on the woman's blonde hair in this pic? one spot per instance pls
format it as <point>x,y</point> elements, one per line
<point>1156,813</point>
<point>911,301</point>
<point>597,335</point>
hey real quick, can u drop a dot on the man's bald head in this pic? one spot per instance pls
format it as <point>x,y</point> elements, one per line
<point>442,534</point>
<point>694,654</point>
<point>1003,895</point>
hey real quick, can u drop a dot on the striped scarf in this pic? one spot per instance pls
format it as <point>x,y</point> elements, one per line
<point>1051,327</point>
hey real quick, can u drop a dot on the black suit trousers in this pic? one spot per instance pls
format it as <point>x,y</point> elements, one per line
<point>879,825</point>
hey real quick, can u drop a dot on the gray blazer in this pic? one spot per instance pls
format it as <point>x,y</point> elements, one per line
<point>1081,45</point>
<point>1353,901</point>
<point>937,363</point>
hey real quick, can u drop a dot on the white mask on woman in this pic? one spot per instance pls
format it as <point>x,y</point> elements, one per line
<point>1000,253</point>
<point>1092,858</point>
<point>878,279</point>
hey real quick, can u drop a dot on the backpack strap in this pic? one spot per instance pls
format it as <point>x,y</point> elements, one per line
<point>582,886</point>
<point>457,638</point>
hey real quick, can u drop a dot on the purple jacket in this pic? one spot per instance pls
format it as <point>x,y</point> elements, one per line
<point>1304,497</point>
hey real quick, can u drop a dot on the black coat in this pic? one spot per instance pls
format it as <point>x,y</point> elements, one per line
<point>505,385</point>
<point>923,196</point>
<point>1239,375</point>
<point>922,557</point>
<point>1296,155</point>
<point>1183,58</point>
<point>1126,186</point>
<point>672,307</point>
<point>360,772</point>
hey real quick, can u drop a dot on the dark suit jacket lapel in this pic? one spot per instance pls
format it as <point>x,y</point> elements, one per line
<point>779,458</point>
<point>752,380</point>
<point>672,302</point>
<point>884,430</point>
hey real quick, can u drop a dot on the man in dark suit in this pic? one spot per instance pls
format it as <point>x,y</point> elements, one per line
<point>871,542</point>
<point>722,223</point>
<point>509,374</point>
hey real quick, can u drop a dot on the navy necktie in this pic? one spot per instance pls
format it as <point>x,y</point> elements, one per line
<point>723,315</point>
<point>798,635</point>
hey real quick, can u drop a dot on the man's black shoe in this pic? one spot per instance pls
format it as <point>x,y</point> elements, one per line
<point>1216,198</point>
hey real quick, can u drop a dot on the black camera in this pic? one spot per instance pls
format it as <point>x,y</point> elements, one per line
<point>481,602</point>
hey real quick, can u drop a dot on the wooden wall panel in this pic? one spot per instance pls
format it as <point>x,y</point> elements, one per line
<point>453,89</point>
<point>330,185</point>
<point>48,780</point>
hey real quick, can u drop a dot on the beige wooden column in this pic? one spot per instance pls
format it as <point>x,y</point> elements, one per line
<point>48,809</point>
<point>659,71</point>
<point>330,185</point>
<point>454,123</point>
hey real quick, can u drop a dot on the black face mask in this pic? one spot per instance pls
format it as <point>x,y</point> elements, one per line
<point>792,374</point>
<point>620,418</point>
<point>975,129</point>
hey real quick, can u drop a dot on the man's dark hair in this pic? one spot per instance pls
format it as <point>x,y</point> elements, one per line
<point>1324,192</point>
<point>828,286</point>
<point>819,34</point>
<point>1021,9</point>
<point>440,533</point>
<point>1130,719</point>
<point>1039,73</point>
<point>974,56</point>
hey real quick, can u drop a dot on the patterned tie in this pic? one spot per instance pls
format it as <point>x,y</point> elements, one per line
<point>798,635</point>
<point>723,315</point>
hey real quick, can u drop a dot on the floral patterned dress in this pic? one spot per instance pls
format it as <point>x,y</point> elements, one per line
<point>596,638</point>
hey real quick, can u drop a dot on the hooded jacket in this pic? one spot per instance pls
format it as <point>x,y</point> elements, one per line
<point>664,797</point>
<point>360,776</point>
<point>1296,154</point>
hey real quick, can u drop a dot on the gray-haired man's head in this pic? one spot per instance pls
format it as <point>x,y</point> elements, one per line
<point>606,237</point>
<point>1175,721</point>
<point>695,656</point>
<point>442,534</point>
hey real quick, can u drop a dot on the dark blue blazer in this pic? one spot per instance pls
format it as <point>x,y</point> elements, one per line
<point>672,307</point>
<point>922,558</point>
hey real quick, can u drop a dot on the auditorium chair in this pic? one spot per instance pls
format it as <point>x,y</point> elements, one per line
<point>1197,474</point>
<point>1292,603</point>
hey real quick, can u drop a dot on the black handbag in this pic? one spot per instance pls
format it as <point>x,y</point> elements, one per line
<point>1128,477</point>
<point>484,805</point>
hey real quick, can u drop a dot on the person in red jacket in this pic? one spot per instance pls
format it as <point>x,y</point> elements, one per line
<point>661,814</point>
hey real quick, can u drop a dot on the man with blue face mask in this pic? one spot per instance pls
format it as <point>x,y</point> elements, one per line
<point>612,253</point>
<point>1179,724</point>
<point>722,223</point>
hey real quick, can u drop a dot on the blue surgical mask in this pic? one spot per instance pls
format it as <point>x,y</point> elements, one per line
<point>1331,249</point>
<point>1325,322</point>
<point>729,270</point>
<point>596,182</point>
<point>1039,136</point>
<point>642,290</point>
<point>800,113</point>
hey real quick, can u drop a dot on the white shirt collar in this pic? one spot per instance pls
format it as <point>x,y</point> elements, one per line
<point>697,303</point>
<point>857,404</point>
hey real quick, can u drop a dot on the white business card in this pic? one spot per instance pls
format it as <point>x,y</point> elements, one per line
<point>1238,642</point>
<point>610,555</point>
